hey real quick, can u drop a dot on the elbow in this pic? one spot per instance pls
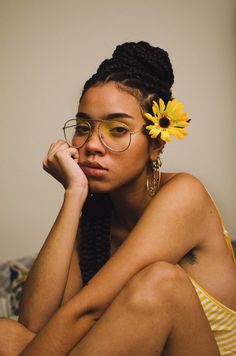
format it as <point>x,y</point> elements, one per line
<point>82,319</point>
<point>90,314</point>
<point>94,315</point>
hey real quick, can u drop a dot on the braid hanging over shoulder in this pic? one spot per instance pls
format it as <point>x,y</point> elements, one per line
<point>95,227</point>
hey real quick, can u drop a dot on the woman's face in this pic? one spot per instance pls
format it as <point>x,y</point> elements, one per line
<point>107,170</point>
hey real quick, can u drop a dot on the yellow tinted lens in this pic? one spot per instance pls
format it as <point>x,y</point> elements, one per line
<point>115,135</point>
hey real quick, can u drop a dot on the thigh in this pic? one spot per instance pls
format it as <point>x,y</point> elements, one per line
<point>157,313</point>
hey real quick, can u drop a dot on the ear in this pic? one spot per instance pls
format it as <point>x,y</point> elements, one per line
<point>156,147</point>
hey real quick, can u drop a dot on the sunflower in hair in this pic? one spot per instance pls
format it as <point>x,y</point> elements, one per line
<point>168,120</point>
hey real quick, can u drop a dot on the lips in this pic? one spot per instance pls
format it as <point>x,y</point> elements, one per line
<point>93,169</point>
<point>92,165</point>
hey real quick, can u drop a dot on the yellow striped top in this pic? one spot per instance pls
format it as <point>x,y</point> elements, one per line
<point>222,319</point>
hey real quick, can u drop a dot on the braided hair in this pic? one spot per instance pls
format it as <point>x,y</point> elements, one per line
<point>145,72</point>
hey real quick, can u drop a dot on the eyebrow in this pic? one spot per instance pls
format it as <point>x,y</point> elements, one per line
<point>116,115</point>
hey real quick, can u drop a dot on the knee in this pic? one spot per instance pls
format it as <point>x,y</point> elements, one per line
<point>157,285</point>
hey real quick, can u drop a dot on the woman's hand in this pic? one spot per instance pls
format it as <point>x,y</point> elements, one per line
<point>62,163</point>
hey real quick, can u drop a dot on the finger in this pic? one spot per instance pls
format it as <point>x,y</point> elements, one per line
<point>74,152</point>
<point>54,147</point>
<point>58,145</point>
<point>57,152</point>
<point>75,156</point>
<point>66,152</point>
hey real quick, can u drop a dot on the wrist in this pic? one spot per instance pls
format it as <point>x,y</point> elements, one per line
<point>77,192</point>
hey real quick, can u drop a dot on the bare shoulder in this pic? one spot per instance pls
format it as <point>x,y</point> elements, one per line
<point>181,188</point>
<point>183,197</point>
<point>180,178</point>
<point>178,216</point>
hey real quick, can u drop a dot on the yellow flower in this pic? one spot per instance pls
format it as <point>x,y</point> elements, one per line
<point>169,120</point>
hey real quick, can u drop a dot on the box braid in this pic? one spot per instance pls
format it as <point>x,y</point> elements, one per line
<point>94,247</point>
<point>145,72</point>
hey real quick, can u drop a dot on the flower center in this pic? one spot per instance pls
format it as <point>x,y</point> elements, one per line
<point>164,122</point>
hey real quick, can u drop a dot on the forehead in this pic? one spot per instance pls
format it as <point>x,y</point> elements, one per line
<point>107,98</point>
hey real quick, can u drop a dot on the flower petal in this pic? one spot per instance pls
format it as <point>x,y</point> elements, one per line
<point>181,124</point>
<point>150,117</point>
<point>155,108</point>
<point>154,132</point>
<point>150,127</point>
<point>177,134</point>
<point>176,131</point>
<point>161,105</point>
<point>183,132</point>
<point>165,136</point>
<point>155,135</point>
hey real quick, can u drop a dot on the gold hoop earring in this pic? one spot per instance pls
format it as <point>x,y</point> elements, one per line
<point>153,181</point>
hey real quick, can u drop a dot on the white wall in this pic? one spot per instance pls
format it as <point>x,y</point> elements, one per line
<point>49,48</point>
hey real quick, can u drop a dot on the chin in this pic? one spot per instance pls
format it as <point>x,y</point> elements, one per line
<point>102,187</point>
<point>99,188</point>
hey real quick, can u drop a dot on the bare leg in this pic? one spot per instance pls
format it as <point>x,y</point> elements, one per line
<point>13,337</point>
<point>157,313</point>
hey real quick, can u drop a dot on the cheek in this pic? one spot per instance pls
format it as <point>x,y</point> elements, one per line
<point>140,149</point>
<point>134,159</point>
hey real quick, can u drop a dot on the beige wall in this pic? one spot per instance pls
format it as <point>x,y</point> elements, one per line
<point>48,48</point>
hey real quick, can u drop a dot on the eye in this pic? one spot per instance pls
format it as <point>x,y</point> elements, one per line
<point>82,129</point>
<point>118,129</point>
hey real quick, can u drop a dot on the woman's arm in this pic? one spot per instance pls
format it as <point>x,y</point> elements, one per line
<point>49,282</point>
<point>74,281</point>
<point>173,224</point>
<point>45,286</point>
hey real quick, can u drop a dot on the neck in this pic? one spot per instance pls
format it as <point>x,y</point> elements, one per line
<point>129,204</point>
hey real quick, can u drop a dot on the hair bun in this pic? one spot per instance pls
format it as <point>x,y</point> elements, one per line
<point>148,62</point>
<point>140,65</point>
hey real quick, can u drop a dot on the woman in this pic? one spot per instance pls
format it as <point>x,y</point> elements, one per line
<point>134,257</point>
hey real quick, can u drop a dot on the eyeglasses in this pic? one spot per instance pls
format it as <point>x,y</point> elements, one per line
<point>114,135</point>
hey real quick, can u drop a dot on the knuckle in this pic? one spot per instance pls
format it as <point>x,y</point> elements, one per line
<point>45,165</point>
<point>58,154</point>
<point>48,160</point>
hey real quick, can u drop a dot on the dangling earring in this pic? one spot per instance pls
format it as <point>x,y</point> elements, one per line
<point>153,182</point>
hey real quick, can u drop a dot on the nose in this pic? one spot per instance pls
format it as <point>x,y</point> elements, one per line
<point>93,144</point>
